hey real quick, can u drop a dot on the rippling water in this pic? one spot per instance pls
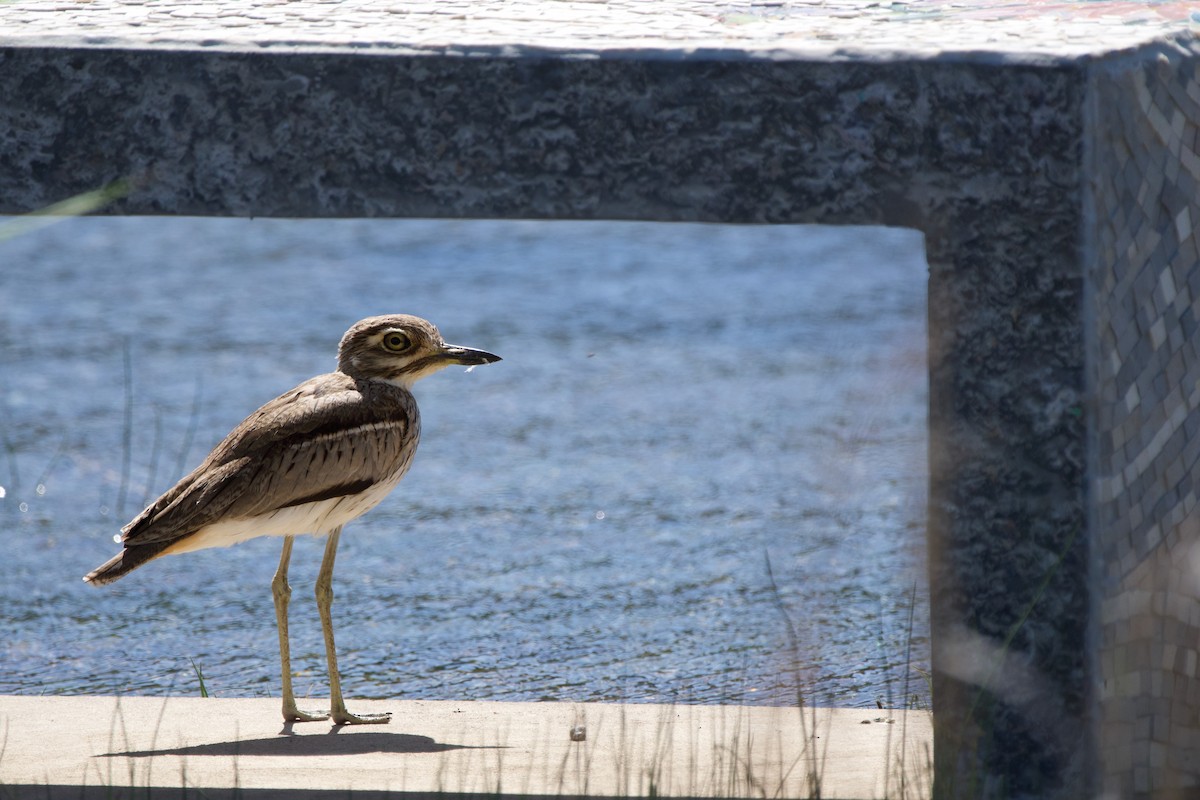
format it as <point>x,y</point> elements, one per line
<point>697,476</point>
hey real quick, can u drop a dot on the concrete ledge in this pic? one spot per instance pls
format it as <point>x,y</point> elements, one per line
<point>153,747</point>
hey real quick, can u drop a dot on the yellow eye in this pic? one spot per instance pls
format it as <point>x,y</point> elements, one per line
<point>396,342</point>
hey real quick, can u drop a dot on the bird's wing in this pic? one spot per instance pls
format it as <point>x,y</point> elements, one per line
<point>323,439</point>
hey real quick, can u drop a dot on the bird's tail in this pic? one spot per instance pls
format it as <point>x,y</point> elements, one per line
<point>132,557</point>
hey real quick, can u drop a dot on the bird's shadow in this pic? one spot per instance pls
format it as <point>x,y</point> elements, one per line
<point>287,743</point>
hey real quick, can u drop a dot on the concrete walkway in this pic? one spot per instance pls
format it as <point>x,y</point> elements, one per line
<point>153,747</point>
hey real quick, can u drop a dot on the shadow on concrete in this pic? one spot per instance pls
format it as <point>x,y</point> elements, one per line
<point>287,744</point>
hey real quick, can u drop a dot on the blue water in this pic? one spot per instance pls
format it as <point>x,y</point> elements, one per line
<point>698,475</point>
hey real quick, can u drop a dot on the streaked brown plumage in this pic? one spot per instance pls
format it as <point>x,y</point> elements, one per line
<point>308,461</point>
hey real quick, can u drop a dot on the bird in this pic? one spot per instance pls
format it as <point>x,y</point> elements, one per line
<point>309,461</point>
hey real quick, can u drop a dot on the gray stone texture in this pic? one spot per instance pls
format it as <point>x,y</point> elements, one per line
<point>1144,278</point>
<point>1051,162</point>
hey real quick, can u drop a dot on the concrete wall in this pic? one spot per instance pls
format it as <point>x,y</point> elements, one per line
<point>1143,173</point>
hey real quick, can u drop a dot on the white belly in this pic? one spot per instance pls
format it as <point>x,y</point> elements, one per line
<point>318,518</point>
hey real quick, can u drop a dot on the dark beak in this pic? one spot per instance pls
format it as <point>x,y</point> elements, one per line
<point>467,356</point>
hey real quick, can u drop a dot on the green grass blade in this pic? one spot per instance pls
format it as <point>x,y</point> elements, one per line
<point>76,206</point>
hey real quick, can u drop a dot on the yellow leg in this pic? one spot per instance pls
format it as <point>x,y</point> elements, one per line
<point>324,590</point>
<point>283,593</point>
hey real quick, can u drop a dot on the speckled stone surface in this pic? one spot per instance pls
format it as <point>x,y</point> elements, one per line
<point>988,29</point>
<point>1048,151</point>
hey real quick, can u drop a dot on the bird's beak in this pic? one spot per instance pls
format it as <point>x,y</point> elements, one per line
<point>467,356</point>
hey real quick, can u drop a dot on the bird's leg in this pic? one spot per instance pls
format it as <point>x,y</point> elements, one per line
<point>282,593</point>
<point>324,590</point>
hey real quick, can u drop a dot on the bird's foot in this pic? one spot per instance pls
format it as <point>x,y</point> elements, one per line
<point>294,714</point>
<point>344,717</point>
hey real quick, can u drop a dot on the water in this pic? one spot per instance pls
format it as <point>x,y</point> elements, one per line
<point>697,476</point>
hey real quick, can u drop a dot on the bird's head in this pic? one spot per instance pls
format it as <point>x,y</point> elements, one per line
<point>401,349</point>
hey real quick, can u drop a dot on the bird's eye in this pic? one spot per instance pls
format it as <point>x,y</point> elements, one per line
<point>396,342</point>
